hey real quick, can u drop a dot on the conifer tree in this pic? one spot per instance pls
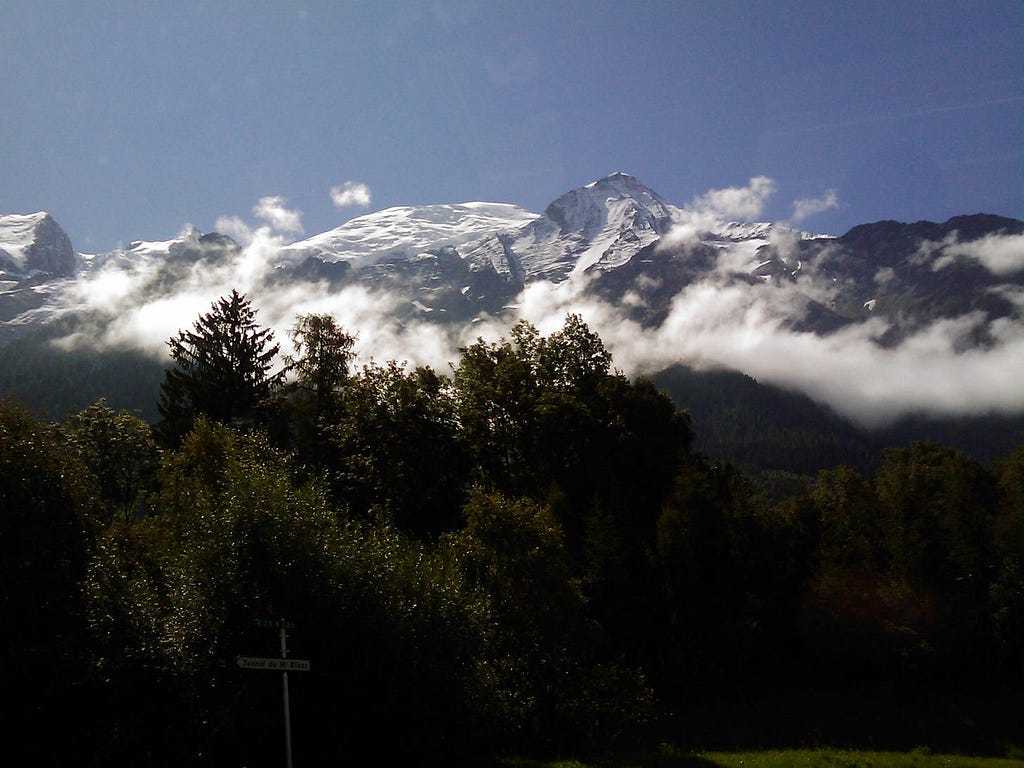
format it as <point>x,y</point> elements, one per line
<point>310,401</point>
<point>221,367</point>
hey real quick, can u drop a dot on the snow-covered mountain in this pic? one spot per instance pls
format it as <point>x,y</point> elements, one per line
<point>593,230</point>
<point>458,261</point>
<point>417,283</point>
<point>407,231</point>
<point>600,226</point>
<point>31,244</point>
<point>624,242</point>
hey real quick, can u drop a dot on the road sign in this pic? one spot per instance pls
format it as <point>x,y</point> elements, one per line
<point>284,665</point>
<point>274,665</point>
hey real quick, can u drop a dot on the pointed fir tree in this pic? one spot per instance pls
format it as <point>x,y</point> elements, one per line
<point>221,368</point>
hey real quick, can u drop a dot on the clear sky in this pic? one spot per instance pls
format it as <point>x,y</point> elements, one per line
<point>128,120</point>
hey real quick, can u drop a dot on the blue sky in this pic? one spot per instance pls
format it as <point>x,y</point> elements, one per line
<point>128,120</point>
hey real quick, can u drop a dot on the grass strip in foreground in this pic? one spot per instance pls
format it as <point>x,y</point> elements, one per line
<point>790,758</point>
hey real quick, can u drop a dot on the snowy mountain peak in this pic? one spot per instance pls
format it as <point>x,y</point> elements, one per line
<point>617,175</point>
<point>32,243</point>
<point>599,226</point>
<point>190,246</point>
<point>621,183</point>
<point>606,201</point>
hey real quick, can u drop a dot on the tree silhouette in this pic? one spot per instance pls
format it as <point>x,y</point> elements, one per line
<point>311,400</point>
<point>221,368</point>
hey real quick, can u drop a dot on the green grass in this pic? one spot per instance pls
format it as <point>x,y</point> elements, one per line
<point>846,759</point>
<point>668,757</point>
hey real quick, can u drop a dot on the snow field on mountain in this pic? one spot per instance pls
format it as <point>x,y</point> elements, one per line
<point>17,234</point>
<point>409,230</point>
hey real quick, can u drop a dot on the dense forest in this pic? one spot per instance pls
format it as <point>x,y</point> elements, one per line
<point>779,439</point>
<point>522,555</point>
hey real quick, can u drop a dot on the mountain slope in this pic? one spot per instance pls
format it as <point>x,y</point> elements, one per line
<point>782,439</point>
<point>909,275</point>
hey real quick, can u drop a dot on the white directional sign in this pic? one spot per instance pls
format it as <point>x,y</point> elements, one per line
<point>274,665</point>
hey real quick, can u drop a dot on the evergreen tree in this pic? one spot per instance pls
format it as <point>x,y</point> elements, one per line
<point>221,368</point>
<point>323,353</point>
<point>310,402</point>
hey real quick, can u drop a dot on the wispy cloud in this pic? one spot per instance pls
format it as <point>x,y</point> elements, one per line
<point>234,227</point>
<point>273,211</point>
<point>884,116</point>
<point>741,203</point>
<point>806,207</point>
<point>351,193</point>
<point>720,205</point>
<point>1000,254</point>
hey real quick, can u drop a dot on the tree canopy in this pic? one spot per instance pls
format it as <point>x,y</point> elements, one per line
<point>522,556</point>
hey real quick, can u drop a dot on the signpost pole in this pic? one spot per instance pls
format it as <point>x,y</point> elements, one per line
<point>287,709</point>
<point>284,664</point>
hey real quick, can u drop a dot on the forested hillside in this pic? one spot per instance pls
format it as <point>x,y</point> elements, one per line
<point>57,380</point>
<point>782,439</point>
<point>525,557</point>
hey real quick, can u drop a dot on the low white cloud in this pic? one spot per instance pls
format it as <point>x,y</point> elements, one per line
<point>368,314</point>
<point>806,207</point>
<point>884,275</point>
<point>149,325</point>
<point>706,211</point>
<point>741,203</point>
<point>351,193</point>
<point>235,228</point>
<point>685,233</point>
<point>746,329</point>
<point>1000,254</point>
<point>717,322</point>
<point>273,211</point>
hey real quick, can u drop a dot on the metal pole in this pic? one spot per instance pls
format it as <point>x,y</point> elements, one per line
<point>287,712</point>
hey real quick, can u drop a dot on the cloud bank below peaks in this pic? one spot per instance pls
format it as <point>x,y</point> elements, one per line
<point>718,321</point>
<point>722,322</point>
<point>749,329</point>
<point>1000,254</point>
